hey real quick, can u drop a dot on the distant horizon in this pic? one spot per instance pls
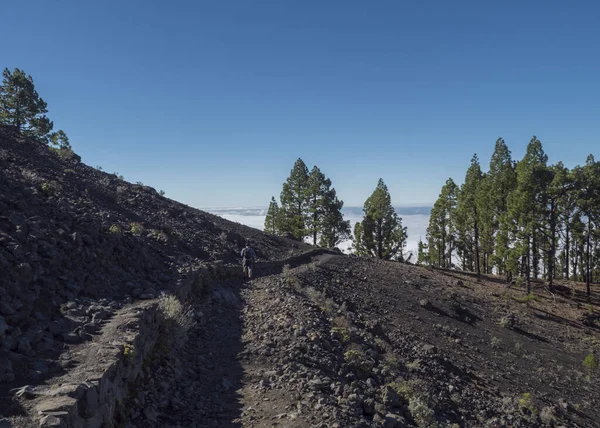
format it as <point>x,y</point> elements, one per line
<point>266,206</point>
<point>416,220</point>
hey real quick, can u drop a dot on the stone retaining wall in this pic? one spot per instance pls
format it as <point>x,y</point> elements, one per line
<point>88,395</point>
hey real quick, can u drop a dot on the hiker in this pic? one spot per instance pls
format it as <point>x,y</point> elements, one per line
<point>248,260</point>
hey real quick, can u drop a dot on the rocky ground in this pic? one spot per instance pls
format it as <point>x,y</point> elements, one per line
<point>344,342</point>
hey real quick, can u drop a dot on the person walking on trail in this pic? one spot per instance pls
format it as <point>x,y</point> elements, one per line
<point>248,257</point>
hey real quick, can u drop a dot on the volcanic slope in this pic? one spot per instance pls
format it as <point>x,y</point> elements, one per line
<point>77,244</point>
<point>347,342</point>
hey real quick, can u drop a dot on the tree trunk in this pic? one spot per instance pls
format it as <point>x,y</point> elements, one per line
<point>534,257</point>
<point>443,253</point>
<point>528,268</point>
<point>477,267</point>
<point>552,251</point>
<point>567,249</point>
<point>379,240</point>
<point>588,266</point>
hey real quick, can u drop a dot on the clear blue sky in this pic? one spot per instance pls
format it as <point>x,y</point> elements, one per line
<point>214,101</point>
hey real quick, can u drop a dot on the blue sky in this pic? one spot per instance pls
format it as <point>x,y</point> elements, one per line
<point>214,101</point>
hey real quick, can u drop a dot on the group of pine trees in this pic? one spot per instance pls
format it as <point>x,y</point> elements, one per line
<point>524,219</point>
<point>24,110</point>
<point>309,208</point>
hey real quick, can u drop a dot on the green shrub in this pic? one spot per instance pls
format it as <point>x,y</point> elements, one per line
<point>137,228</point>
<point>177,320</point>
<point>404,390</point>
<point>528,298</point>
<point>51,188</point>
<point>69,171</point>
<point>590,364</point>
<point>343,333</point>
<point>161,192</point>
<point>128,351</point>
<point>525,402</point>
<point>64,153</point>
<point>114,229</point>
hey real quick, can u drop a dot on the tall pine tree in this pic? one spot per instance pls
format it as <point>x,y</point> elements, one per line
<point>469,216</point>
<point>293,220</point>
<point>380,234</point>
<point>441,232</point>
<point>22,107</point>
<point>272,218</point>
<point>526,206</point>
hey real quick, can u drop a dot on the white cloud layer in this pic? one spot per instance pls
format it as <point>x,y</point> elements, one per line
<point>415,220</point>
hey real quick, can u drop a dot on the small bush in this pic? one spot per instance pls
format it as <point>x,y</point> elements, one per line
<point>422,414</point>
<point>528,298</point>
<point>51,188</point>
<point>526,403</point>
<point>177,320</point>
<point>404,390</point>
<point>548,415</point>
<point>128,351</point>
<point>508,321</point>
<point>159,235</point>
<point>115,229</point>
<point>64,153</point>
<point>353,355</point>
<point>69,171</point>
<point>139,183</point>
<point>137,228</point>
<point>343,334</point>
<point>590,364</point>
<point>357,359</point>
<point>161,192</point>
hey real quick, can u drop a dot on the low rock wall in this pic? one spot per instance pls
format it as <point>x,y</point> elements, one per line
<point>104,369</point>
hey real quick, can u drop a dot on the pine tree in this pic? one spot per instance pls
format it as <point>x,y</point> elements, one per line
<point>588,178</point>
<point>559,187</point>
<point>293,202</point>
<point>567,204</point>
<point>271,219</point>
<point>334,229</point>
<point>502,180</point>
<point>526,207</point>
<point>318,191</point>
<point>441,232</point>
<point>468,215</point>
<point>380,234</point>
<point>486,222</point>
<point>22,107</point>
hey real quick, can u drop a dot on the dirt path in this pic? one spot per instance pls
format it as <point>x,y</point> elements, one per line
<point>340,343</point>
<point>220,378</point>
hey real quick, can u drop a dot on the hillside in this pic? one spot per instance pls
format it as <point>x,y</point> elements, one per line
<point>318,339</point>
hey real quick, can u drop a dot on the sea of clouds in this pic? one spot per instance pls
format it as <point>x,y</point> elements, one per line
<point>415,218</point>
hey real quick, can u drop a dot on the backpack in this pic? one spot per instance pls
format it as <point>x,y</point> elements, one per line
<point>247,254</point>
